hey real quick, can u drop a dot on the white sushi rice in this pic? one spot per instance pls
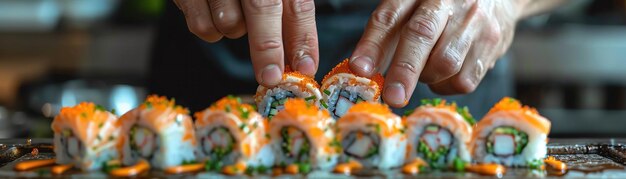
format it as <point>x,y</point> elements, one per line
<point>534,150</point>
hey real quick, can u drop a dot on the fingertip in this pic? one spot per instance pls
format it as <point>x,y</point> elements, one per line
<point>362,65</point>
<point>395,95</point>
<point>270,75</point>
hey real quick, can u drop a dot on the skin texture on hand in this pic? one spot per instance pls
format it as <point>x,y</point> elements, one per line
<point>265,22</point>
<point>447,44</point>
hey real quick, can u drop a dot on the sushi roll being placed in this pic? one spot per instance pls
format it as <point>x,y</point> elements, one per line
<point>86,136</point>
<point>270,101</point>
<point>160,132</point>
<point>302,135</point>
<point>372,135</point>
<point>342,89</point>
<point>439,133</point>
<point>510,134</point>
<point>230,132</point>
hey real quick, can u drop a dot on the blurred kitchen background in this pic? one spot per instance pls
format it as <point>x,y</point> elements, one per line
<point>570,64</point>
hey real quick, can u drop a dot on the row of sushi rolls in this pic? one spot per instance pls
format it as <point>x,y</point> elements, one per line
<point>298,127</point>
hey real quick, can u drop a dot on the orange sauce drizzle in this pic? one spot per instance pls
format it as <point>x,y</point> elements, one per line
<point>60,169</point>
<point>292,169</point>
<point>277,171</point>
<point>413,167</point>
<point>136,169</point>
<point>184,168</point>
<point>487,169</point>
<point>235,169</point>
<point>555,164</point>
<point>162,103</point>
<point>27,165</point>
<point>348,168</point>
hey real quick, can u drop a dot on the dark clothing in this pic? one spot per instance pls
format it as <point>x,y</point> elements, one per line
<point>197,73</point>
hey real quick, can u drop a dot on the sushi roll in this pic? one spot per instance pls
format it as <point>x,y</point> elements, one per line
<point>372,135</point>
<point>510,134</point>
<point>160,132</point>
<point>342,89</point>
<point>86,136</point>
<point>302,134</point>
<point>439,133</point>
<point>230,132</point>
<point>270,101</point>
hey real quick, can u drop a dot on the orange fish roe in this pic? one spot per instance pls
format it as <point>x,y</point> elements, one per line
<point>231,104</point>
<point>305,79</point>
<point>444,105</point>
<point>84,109</point>
<point>511,104</point>
<point>162,103</point>
<point>299,107</point>
<point>344,67</point>
<point>374,108</point>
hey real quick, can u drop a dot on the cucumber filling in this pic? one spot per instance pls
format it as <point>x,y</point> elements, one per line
<point>276,103</point>
<point>218,143</point>
<point>361,145</point>
<point>342,100</point>
<point>295,144</point>
<point>434,145</point>
<point>143,142</point>
<point>506,141</point>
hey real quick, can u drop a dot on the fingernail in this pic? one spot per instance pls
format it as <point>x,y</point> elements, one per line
<point>306,65</point>
<point>271,75</point>
<point>394,93</point>
<point>364,63</point>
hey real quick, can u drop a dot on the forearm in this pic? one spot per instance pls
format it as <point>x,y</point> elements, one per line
<point>533,7</point>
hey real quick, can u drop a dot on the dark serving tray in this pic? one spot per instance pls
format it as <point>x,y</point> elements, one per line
<point>584,157</point>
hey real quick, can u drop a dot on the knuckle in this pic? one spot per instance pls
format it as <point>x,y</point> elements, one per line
<point>385,17</point>
<point>303,6</point>
<point>407,67</point>
<point>423,26</point>
<point>217,4</point>
<point>228,21</point>
<point>448,64</point>
<point>267,45</point>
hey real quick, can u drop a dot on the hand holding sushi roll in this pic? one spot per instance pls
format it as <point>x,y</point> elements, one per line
<point>293,84</point>
<point>449,45</point>
<point>266,22</point>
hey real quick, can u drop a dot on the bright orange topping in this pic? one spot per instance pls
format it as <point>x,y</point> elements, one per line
<point>184,168</point>
<point>508,104</point>
<point>373,108</point>
<point>162,103</point>
<point>487,169</point>
<point>31,164</point>
<point>231,104</point>
<point>555,164</point>
<point>60,169</point>
<point>84,109</point>
<point>136,169</point>
<point>344,67</point>
<point>299,107</point>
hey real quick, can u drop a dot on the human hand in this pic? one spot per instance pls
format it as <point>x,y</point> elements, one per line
<point>265,21</point>
<point>448,44</point>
